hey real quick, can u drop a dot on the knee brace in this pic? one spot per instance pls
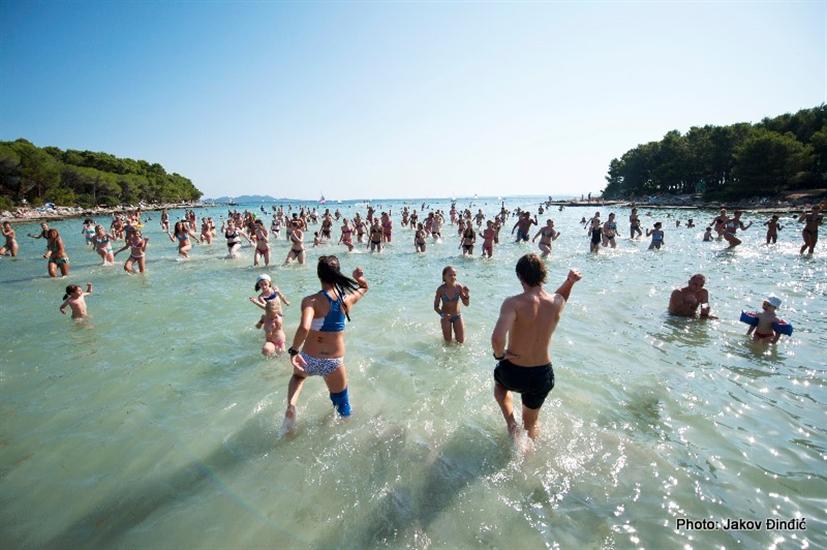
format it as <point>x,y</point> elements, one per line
<point>341,402</point>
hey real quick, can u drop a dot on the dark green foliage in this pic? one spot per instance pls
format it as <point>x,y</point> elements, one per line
<point>775,155</point>
<point>84,178</point>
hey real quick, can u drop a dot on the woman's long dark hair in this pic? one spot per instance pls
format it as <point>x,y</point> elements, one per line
<point>329,272</point>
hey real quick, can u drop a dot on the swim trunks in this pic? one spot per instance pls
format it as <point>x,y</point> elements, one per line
<point>532,383</point>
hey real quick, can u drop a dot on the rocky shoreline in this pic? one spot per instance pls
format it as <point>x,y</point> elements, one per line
<point>792,202</point>
<point>28,214</point>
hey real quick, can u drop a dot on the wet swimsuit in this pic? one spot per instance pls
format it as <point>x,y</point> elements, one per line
<point>334,321</point>
<point>317,366</point>
<point>57,261</point>
<point>533,383</point>
<point>105,240</point>
<point>596,233</point>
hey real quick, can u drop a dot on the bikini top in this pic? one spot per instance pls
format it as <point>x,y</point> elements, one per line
<point>273,296</point>
<point>104,240</point>
<point>445,297</point>
<point>334,321</point>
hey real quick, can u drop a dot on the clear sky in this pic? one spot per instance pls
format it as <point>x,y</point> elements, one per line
<point>402,99</point>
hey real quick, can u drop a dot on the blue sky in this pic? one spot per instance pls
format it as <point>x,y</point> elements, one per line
<point>372,100</point>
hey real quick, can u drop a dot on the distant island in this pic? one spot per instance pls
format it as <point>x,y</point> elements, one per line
<point>766,159</point>
<point>37,175</point>
<point>247,199</point>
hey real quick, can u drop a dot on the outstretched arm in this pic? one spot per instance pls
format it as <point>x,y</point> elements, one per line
<point>568,284</point>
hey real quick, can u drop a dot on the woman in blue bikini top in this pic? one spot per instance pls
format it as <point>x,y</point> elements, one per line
<point>319,344</point>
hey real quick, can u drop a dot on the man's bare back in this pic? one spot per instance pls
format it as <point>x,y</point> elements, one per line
<point>534,315</point>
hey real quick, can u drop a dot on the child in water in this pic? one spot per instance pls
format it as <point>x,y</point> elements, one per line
<point>449,293</point>
<point>75,298</point>
<point>268,292</point>
<point>764,331</point>
<point>773,227</point>
<point>708,234</point>
<point>657,236</point>
<point>273,324</point>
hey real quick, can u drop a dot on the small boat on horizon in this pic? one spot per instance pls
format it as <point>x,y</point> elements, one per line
<point>322,200</point>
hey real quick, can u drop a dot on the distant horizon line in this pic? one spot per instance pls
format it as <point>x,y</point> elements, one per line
<point>375,199</point>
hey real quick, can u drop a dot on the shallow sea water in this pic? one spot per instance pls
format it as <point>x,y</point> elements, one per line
<point>157,422</point>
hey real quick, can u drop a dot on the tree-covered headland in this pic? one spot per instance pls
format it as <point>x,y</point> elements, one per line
<point>788,152</point>
<point>84,178</point>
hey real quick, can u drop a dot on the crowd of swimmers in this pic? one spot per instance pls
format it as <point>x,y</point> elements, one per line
<point>522,334</point>
<point>374,232</point>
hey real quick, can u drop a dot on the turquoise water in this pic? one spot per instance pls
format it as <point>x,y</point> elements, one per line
<point>157,422</point>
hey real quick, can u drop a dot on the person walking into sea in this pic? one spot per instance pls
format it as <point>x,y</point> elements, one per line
<point>375,236</point>
<point>446,304</point>
<point>183,232</point>
<point>359,225</point>
<point>523,225</point>
<point>546,234</point>
<point>387,227</point>
<point>56,254</point>
<point>206,231</point>
<point>719,223</point>
<point>318,347</point>
<point>165,221</point>
<point>296,245</point>
<point>137,254</point>
<point>731,226</point>
<point>346,237</point>
<point>595,233</point>
<point>103,245</point>
<point>233,236</point>
<point>489,235</point>
<point>610,231</point>
<point>520,342</point>
<point>684,302</point>
<point>469,237</point>
<point>811,220</point>
<point>657,235</point>
<point>773,227</point>
<point>11,247</point>
<point>262,238</point>
<point>419,238</point>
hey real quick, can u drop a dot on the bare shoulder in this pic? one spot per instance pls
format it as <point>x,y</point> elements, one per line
<point>308,301</point>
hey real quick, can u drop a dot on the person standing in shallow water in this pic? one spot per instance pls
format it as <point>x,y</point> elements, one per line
<point>319,344</point>
<point>446,305</point>
<point>520,343</point>
<point>811,220</point>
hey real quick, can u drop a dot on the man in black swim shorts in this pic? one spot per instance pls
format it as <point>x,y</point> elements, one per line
<point>520,342</point>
